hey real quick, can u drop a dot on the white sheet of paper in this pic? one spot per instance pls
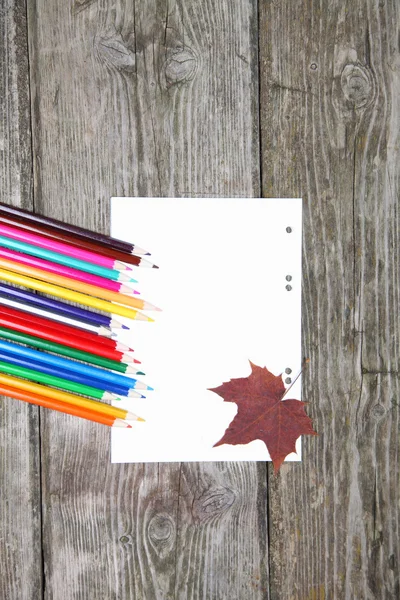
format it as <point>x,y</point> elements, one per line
<point>221,285</point>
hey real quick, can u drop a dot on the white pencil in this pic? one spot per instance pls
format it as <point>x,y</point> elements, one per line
<point>99,329</point>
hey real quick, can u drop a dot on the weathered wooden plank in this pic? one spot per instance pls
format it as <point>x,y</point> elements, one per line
<point>330,122</point>
<point>155,98</point>
<point>20,552</point>
<point>219,508</point>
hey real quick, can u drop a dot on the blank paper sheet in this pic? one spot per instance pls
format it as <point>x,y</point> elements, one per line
<point>229,289</point>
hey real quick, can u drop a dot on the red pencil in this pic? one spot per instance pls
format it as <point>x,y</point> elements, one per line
<point>67,332</point>
<point>52,335</point>
<point>67,329</point>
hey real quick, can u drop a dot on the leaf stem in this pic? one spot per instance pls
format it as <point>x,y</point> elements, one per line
<point>305,362</point>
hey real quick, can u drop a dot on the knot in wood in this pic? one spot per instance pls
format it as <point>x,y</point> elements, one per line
<point>125,539</point>
<point>113,50</point>
<point>357,85</point>
<point>212,503</point>
<point>378,411</point>
<point>161,532</point>
<point>181,66</point>
<point>79,5</point>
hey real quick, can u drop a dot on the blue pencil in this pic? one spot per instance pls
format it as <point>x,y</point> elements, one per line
<point>69,375</point>
<point>57,306</point>
<point>72,365</point>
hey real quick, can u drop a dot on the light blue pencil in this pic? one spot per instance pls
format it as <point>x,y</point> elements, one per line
<point>63,259</point>
<point>72,365</point>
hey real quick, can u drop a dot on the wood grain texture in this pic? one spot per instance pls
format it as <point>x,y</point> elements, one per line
<point>330,98</point>
<point>20,531</point>
<point>152,99</point>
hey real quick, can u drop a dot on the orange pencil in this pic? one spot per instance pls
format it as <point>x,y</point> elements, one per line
<point>31,387</point>
<point>69,409</point>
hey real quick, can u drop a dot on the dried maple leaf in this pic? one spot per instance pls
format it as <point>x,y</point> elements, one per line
<point>263,415</point>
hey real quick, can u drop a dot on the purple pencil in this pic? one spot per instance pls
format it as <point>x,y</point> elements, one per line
<point>78,232</point>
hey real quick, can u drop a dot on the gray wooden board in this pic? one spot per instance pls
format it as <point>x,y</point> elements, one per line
<point>162,99</point>
<point>20,532</point>
<point>149,99</point>
<point>330,98</point>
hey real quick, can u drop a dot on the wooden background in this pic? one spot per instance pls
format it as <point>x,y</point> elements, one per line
<point>216,98</point>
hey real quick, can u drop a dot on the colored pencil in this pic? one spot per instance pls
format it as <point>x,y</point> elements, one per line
<point>60,248</point>
<point>100,331</point>
<point>65,330</point>
<point>58,269</point>
<point>61,307</point>
<point>50,334</point>
<point>76,286</point>
<point>59,382</point>
<point>70,376</point>
<point>61,257</point>
<point>48,232</point>
<point>14,275</point>
<point>35,341</point>
<point>72,365</point>
<point>68,398</point>
<point>63,407</point>
<point>79,232</point>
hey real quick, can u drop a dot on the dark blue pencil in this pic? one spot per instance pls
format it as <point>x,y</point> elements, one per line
<point>58,307</point>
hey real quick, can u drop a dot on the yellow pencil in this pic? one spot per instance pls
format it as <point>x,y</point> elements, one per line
<point>74,284</point>
<point>72,399</point>
<point>60,292</point>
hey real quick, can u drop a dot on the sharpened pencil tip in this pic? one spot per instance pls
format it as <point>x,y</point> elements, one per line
<point>149,306</point>
<point>140,419</point>
<point>121,423</point>
<point>139,385</point>
<point>136,250</point>
<point>130,416</point>
<point>136,361</point>
<point>136,292</point>
<point>140,373</point>
<point>155,267</point>
<point>125,327</point>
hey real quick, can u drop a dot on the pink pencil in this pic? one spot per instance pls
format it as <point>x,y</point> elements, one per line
<point>39,263</point>
<point>49,244</point>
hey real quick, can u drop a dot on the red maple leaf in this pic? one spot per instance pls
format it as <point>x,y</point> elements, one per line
<point>263,415</point>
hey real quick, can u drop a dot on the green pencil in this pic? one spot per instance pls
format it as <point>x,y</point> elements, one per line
<point>53,381</point>
<point>35,342</point>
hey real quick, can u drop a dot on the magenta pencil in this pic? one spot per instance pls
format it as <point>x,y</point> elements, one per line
<point>58,269</point>
<point>54,246</point>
